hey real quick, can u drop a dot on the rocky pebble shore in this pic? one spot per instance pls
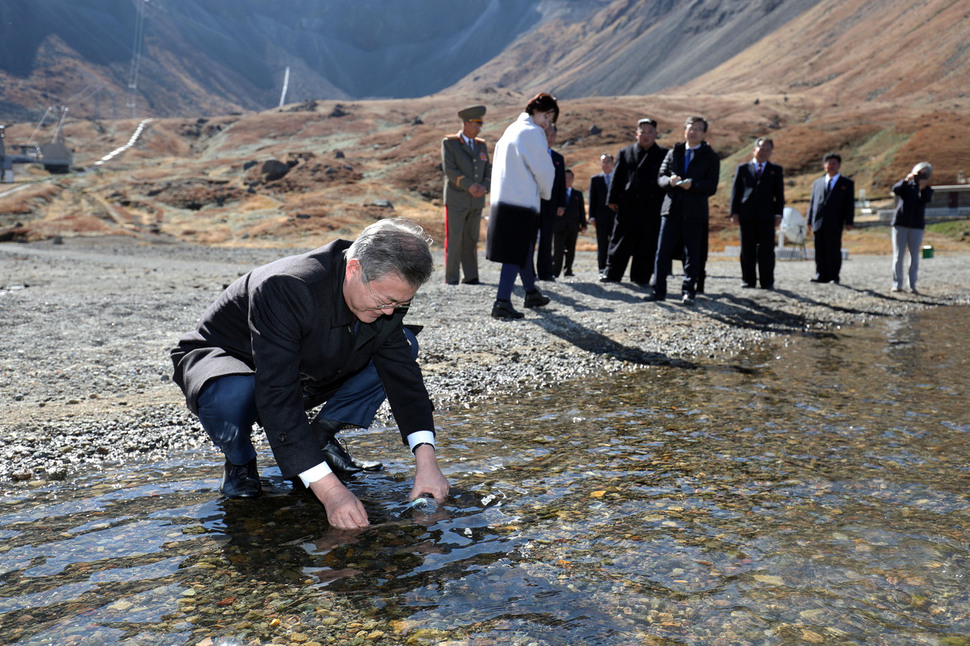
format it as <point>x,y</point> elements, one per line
<point>85,375</point>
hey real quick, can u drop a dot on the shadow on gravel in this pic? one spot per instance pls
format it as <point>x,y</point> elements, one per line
<point>754,313</point>
<point>596,290</point>
<point>748,313</point>
<point>592,341</point>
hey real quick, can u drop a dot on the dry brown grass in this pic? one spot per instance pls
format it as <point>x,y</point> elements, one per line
<point>187,177</point>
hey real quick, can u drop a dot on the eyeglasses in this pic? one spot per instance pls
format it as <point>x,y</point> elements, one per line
<point>380,306</point>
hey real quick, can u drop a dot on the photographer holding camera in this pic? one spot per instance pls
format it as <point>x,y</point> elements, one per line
<point>909,221</point>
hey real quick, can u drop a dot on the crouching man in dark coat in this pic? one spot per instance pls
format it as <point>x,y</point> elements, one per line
<point>324,326</point>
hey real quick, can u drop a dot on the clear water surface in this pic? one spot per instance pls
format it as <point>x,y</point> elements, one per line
<point>812,493</point>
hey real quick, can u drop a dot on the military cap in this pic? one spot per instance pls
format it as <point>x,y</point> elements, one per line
<point>472,113</point>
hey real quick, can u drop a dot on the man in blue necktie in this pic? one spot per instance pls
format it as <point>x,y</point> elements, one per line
<point>685,214</point>
<point>757,202</point>
<point>831,209</point>
<point>567,228</point>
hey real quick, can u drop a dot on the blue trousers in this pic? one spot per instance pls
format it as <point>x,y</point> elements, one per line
<point>691,232</point>
<point>227,407</point>
<point>506,278</point>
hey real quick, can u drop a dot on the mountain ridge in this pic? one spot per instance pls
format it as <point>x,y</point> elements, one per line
<point>882,86</point>
<point>208,57</point>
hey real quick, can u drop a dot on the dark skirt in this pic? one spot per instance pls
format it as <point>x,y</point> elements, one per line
<point>511,230</point>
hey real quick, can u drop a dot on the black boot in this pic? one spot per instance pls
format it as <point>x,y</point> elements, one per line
<point>240,481</point>
<point>504,310</point>
<point>535,298</point>
<point>336,454</point>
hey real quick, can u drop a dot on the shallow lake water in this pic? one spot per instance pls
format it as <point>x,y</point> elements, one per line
<point>813,492</point>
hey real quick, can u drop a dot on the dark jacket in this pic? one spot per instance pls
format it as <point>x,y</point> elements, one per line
<point>598,192</point>
<point>704,172</point>
<point>836,209</point>
<point>287,323</point>
<point>911,205</point>
<point>548,208</point>
<point>574,218</point>
<point>634,184</point>
<point>753,198</point>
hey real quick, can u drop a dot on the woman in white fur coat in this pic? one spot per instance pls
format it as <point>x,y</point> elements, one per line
<point>522,175</point>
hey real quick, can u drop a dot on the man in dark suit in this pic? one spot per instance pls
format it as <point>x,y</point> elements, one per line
<point>600,214</point>
<point>688,175</point>
<point>567,228</point>
<point>757,202</point>
<point>324,326</point>
<point>550,210</point>
<point>636,199</point>
<point>468,176</point>
<point>831,209</point>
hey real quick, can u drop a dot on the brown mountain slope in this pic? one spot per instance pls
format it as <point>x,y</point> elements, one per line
<point>201,180</point>
<point>877,85</point>
<point>908,53</point>
<point>631,46</point>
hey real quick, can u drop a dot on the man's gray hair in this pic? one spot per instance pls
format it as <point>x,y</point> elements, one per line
<point>397,246</point>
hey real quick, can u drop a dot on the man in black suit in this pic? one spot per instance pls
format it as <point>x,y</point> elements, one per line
<point>567,228</point>
<point>637,199</point>
<point>550,210</point>
<point>757,202</point>
<point>831,209</point>
<point>600,214</point>
<point>324,326</point>
<point>688,175</point>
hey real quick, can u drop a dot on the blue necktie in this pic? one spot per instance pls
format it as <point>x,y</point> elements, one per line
<point>687,158</point>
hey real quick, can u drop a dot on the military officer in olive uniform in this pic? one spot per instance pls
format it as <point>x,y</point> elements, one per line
<point>468,177</point>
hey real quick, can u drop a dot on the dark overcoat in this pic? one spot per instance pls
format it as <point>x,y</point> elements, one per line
<point>704,173</point>
<point>288,324</point>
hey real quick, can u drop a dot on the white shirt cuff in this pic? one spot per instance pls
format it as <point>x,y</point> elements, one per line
<point>420,437</point>
<point>313,474</point>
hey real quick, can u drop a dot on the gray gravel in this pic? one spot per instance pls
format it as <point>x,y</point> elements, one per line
<point>85,375</point>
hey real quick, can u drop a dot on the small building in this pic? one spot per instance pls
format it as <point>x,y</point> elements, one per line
<point>952,200</point>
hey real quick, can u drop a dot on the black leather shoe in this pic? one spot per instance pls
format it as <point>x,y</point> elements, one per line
<point>535,299</point>
<point>241,481</point>
<point>472,281</point>
<point>504,310</point>
<point>569,273</point>
<point>747,285</point>
<point>335,453</point>
<point>655,298</point>
<point>340,461</point>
